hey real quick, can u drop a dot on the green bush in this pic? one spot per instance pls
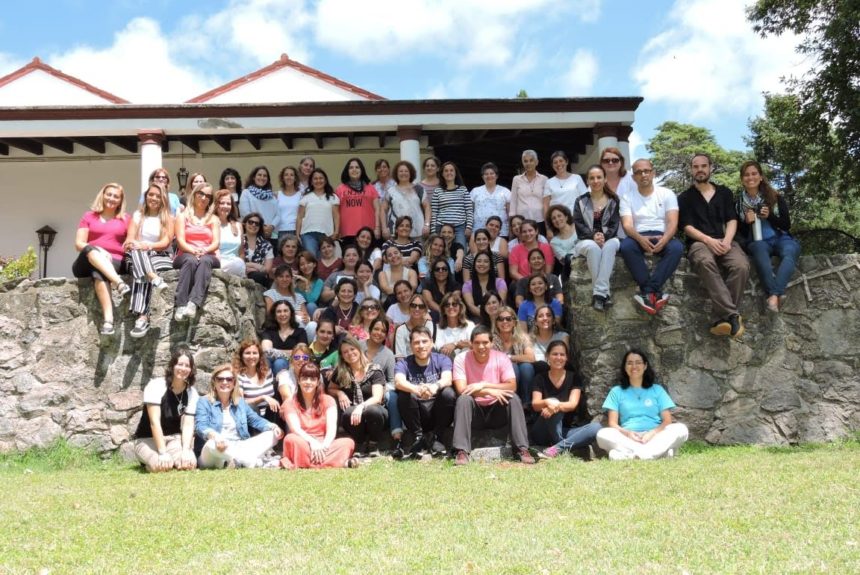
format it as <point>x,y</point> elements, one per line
<point>20,267</point>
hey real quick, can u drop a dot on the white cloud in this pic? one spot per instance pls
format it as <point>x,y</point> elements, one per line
<point>637,146</point>
<point>9,63</point>
<point>138,66</point>
<point>581,72</point>
<point>709,61</point>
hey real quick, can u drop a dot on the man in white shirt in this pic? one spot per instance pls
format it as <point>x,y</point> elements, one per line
<point>649,217</point>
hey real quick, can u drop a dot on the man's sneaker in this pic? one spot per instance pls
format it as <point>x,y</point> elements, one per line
<point>525,456</point>
<point>141,326</point>
<point>397,451</point>
<point>462,458</point>
<point>644,303</point>
<point>549,453</point>
<point>721,327</point>
<point>661,301</point>
<point>620,455</point>
<point>737,324</point>
<point>598,302</point>
<point>438,449</point>
<point>417,451</point>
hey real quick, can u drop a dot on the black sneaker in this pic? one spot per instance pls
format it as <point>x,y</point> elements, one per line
<point>598,302</point>
<point>737,323</point>
<point>438,449</point>
<point>417,451</point>
<point>607,301</point>
<point>397,451</point>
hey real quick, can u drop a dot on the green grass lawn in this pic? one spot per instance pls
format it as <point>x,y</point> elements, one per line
<point>710,510</point>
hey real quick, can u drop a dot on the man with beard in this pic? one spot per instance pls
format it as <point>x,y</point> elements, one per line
<point>710,222</point>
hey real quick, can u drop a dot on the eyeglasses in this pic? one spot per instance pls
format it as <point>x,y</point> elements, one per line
<point>253,223</point>
<point>642,172</point>
<point>301,357</point>
<point>452,304</point>
<point>224,378</point>
<point>504,319</point>
<point>611,161</point>
<point>370,307</point>
<point>161,178</point>
<point>204,195</point>
<point>437,270</point>
<point>635,362</point>
<point>417,306</point>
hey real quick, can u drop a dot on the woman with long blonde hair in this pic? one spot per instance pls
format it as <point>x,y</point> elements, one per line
<point>198,236</point>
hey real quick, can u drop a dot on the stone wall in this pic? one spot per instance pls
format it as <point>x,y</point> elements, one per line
<point>794,377</point>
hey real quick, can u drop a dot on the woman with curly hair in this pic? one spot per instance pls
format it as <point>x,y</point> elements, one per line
<point>256,380</point>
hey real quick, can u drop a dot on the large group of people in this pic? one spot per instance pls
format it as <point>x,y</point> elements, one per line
<point>400,307</point>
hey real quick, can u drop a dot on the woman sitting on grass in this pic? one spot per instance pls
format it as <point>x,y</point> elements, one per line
<point>222,421</point>
<point>312,419</point>
<point>255,380</point>
<point>166,429</point>
<point>639,418</point>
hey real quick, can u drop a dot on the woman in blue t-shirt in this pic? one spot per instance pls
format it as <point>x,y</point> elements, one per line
<point>639,418</point>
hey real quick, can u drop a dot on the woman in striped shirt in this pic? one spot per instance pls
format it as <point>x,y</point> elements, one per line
<point>452,205</point>
<point>256,380</point>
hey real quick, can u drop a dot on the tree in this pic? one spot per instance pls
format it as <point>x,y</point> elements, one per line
<point>673,146</point>
<point>800,163</point>
<point>830,32</point>
<point>522,94</point>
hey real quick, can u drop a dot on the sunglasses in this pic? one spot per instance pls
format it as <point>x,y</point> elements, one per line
<point>440,269</point>
<point>452,304</point>
<point>417,306</point>
<point>370,307</point>
<point>204,195</point>
<point>301,357</point>
<point>253,223</point>
<point>224,378</point>
<point>504,319</point>
<point>161,178</point>
<point>610,160</point>
<point>642,172</point>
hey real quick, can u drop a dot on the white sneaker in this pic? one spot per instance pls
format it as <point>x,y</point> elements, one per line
<point>190,310</point>
<point>180,313</point>
<point>670,454</point>
<point>620,455</point>
<point>159,284</point>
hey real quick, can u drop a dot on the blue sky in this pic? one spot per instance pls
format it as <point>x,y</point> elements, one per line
<point>693,61</point>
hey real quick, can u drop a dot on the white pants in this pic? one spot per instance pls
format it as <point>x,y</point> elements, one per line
<point>233,265</point>
<point>244,452</point>
<point>673,436</point>
<point>600,262</point>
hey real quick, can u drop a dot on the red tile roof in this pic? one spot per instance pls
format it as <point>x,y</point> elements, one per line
<point>282,62</point>
<point>37,64</point>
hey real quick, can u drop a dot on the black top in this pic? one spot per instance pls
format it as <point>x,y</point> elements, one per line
<point>337,315</point>
<point>547,390</point>
<point>710,218</point>
<point>298,336</point>
<point>171,416</point>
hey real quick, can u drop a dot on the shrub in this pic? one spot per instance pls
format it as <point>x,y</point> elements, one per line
<point>20,267</point>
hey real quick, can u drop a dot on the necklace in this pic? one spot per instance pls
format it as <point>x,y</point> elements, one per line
<point>180,405</point>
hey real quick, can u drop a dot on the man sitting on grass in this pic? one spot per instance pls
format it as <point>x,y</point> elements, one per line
<point>486,384</point>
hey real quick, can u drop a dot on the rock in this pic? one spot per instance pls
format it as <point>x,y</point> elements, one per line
<point>126,400</point>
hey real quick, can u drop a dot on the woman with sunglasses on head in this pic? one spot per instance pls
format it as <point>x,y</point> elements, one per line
<point>455,331</point>
<point>258,198</point>
<point>231,180</point>
<point>164,439</point>
<point>102,231</point>
<point>418,315</point>
<point>452,205</point>
<point>224,421</point>
<point>563,188</point>
<point>437,285</point>
<point>509,338</point>
<point>198,236</point>
<point>618,179</point>
<point>231,247</point>
<point>360,204</point>
<point>258,251</point>
<point>483,280</point>
<point>150,232</point>
<point>358,386</point>
<point>288,198</point>
<point>558,398</point>
<point>597,221</point>
<point>639,414</point>
<point>287,379</point>
<point>308,284</point>
<point>319,212</point>
<point>281,334</point>
<point>311,416</point>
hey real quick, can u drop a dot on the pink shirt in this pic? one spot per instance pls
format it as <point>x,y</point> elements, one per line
<point>108,235</point>
<point>498,369</point>
<point>519,256</point>
<point>356,209</point>
<point>527,197</point>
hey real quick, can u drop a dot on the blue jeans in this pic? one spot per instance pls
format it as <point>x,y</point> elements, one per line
<point>460,236</point>
<point>525,373</point>
<point>395,422</point>
<point>278,364</point>
<point>634,257</point>
<point>552,432</point>
<point>786,248</point>
<point>311,242</point>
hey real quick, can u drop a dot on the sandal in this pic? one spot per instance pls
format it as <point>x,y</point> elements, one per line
<point>107,328</point>
<point>122,288</point>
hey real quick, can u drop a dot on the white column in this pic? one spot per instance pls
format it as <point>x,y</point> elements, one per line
<point>410,146</point>
<point>624,143</point>
<point>150,155</point>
